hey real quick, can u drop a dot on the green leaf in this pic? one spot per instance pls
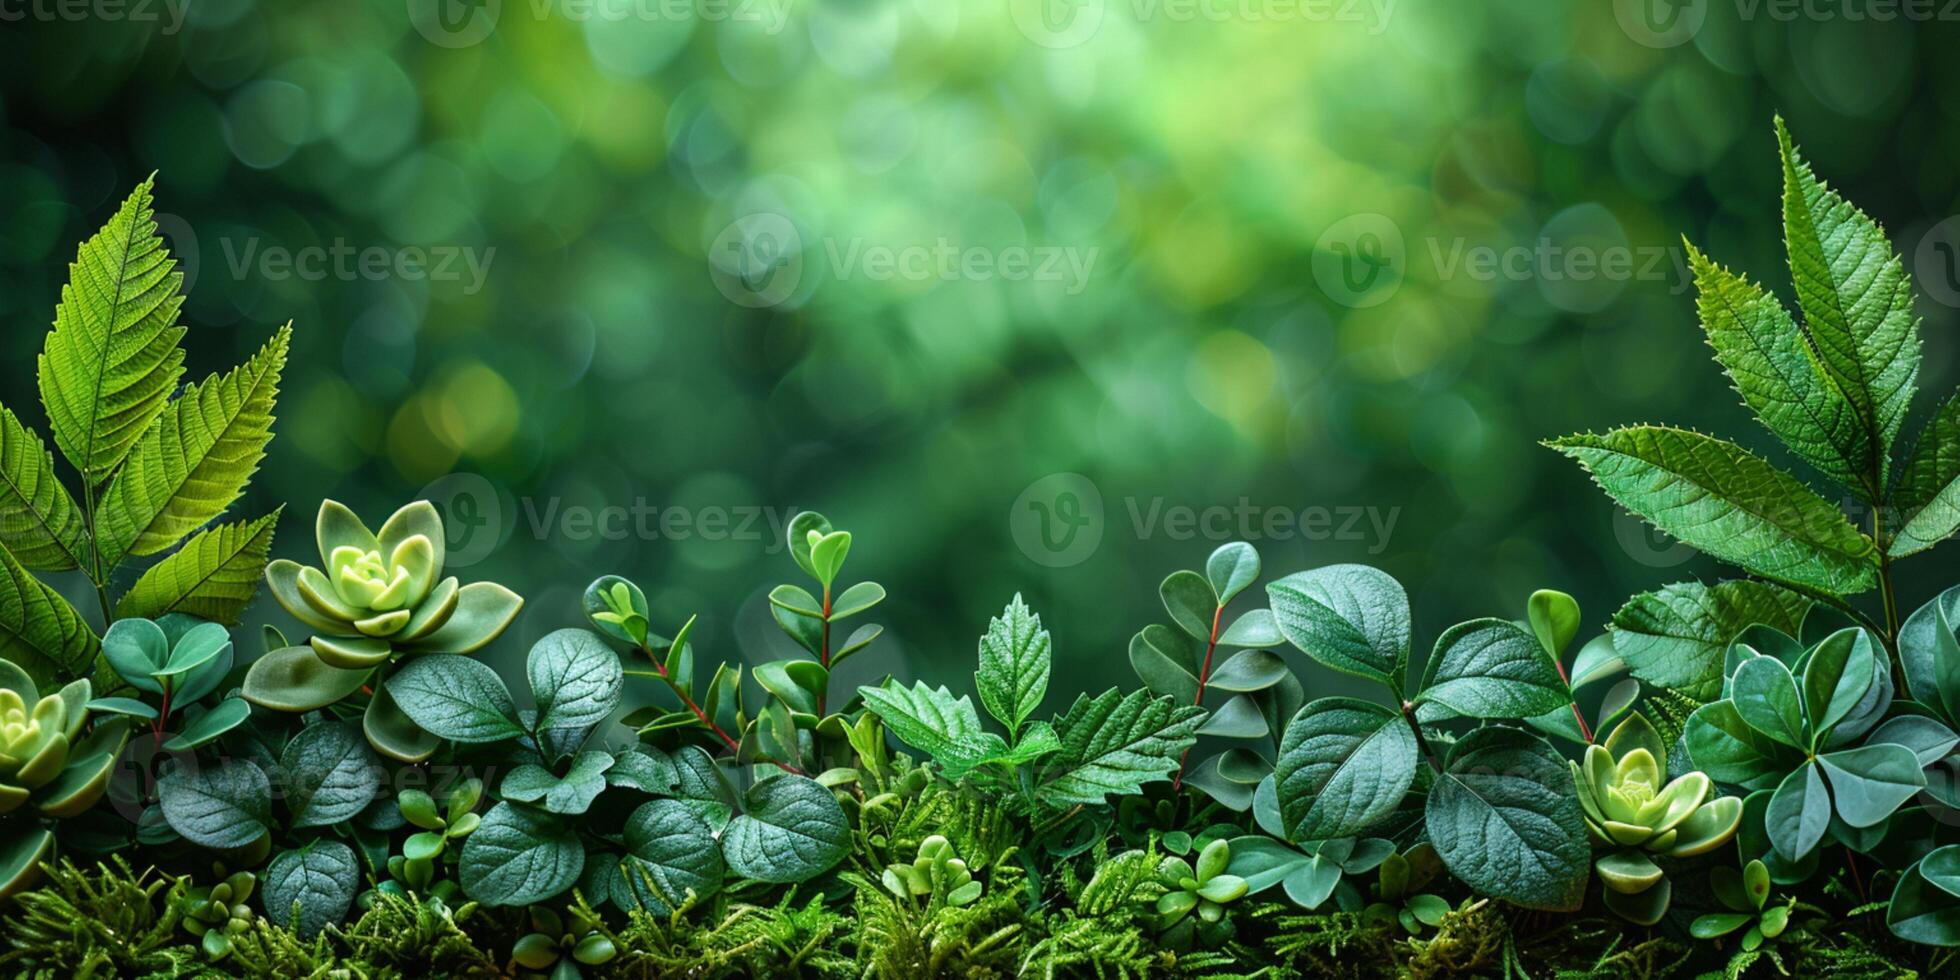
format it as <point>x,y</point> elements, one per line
<point>1505,820</point>
<point>1343,765</point>
<point>1776,371</point>
<point>1490,668</point>
<point>934,722</point>
<point>1929,739</point>
<point>1927,497</point>
<point>791,829</point>
<point>1925,905</point>
<point>112,359</point>
<point>1729,750</point>
<point>1231,568</point>
<point>331,774</point>
<point>797,683</point>
<point>1239,717</point>
<point>1554,618</point>
<point>39,631</point>
<point>1727,502</point>
<point>575,679</point>
<point>294,679</point>
<point>1352,618</point>
<point>800,527</point>
<point>1766,697</point>
<point>1014,663</point>
<point>1254,629</point>
<point>1836,678</point>
<point>22,852</point>
<point>518,856</point>
<point>1677,637</point>
<point>215,721</point>
<point>856,599</point>
<point>1929,654</point>
<point>220,805</point>
<point>1190,601</point>
<point>1799,813</point>
<point>1248,671</point>
<point>700,785</point>
<point>571,794</point>
<point>670,853</point>
<point>312,887</point>
<point>1871,782</point>
<point>1166,661</point>
<point>1115,743</point>
<point>39,522</point>
<point>455,698</point>
<point>1856,300</point>
<point>214,576</point>
<point>189,466</point>
<point>136,650</point>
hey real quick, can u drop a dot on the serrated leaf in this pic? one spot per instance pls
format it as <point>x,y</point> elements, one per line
<point>670,852</point>
<point>1727,502</point>
<point>195,460</point>
<point>1343,765</point>
<point>518,856</point>
<point>1014,664</point>
<point>1676,638</point>
<point>1352,618</point>
<point>1927,498</point>
<point>39,522</point>
<point>312,887</point>
<point>39,631</point>
<point>791,829</point>
<point>1490,668</point>
<point>1778,375</point>
<point>1505,819</point>
<point>214,576</point>
<point>1115,743</point>
<point>934,722</point>
<point>1856,299</point>
<point>112,359</point>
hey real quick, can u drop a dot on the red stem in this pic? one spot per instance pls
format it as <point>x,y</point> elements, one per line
<point>687,700</point>
<point>1204,674</point>
<point>1576,715</point>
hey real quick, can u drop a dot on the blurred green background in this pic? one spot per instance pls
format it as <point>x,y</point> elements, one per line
<point>965,275</point>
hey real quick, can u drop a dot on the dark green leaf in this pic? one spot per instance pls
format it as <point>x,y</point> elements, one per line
<point>1489,668</point>
<point>1677,637</point>
<point>791,829</point>
<point>311,888</point>
<point>331,774</point>
<point>670,853</point>
<point>1505,820</point>
<point>518,856</point>
<point>1191,603</point>
<point>1352,618</point>
<point>456,698</point>
<point>1799,813</point>
<point>219,805</point>
<point>1344,764</point>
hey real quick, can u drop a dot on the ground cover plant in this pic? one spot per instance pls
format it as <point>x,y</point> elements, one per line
<point>1736,778</point>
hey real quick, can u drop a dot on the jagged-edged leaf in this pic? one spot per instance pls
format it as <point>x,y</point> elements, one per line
<point>39,631</point>
<point>791,829</point>
<point>196,459</point>
<point>214,576</point>
<point>1856,299</point>
<point>112,359</point>
<point>1343,765</point>
<point>1014,662</point>
<point>1676,637</point>
<point>1777,373</point>
<point>1115,743</point>
<point>1505,819</point>
<point>312,887</point>
<point>934,722</point>
<point>39,521</point>
<point>1728,502</point>
<point>1928,495</point>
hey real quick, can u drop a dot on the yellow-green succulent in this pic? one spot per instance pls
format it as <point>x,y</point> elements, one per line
<point>1637,813</point>
<point>375,598</point>
<point>48,769</point>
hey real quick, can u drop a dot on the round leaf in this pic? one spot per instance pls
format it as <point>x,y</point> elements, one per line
<point>1231,568</point>
<point>1343,765</point>
<point>1352,618</point>
<point>518,856</point>
<point>312,887</point>
<point>791,830</point>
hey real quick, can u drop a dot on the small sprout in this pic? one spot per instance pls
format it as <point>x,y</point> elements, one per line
<point>1746,895</point>
<point>1205,889</point>
<point>937,874</point>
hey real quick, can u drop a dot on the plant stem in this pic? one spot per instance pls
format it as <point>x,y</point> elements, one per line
<point>687,701</point>
<point>1422,741</point>
<point>94,571</point>
<point>824,656</point>
<point>1576,714</point>
<point>1204,674</point>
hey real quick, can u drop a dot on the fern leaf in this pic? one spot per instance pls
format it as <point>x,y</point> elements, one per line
<point>112,359</point>
<point>1724,500</point>
<point>1928,495</point>
<point>39,631</point>
<point>195,461</point>
<point>1778,376</point>
<point>214,575</point>
<point>39,522</point>
<point>1113,743</point>
<point>1856,300</point>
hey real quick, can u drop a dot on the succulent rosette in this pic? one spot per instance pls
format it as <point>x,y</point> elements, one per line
<point>1632,808</point>
<point>48,769</point>
<point>375,599</point>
